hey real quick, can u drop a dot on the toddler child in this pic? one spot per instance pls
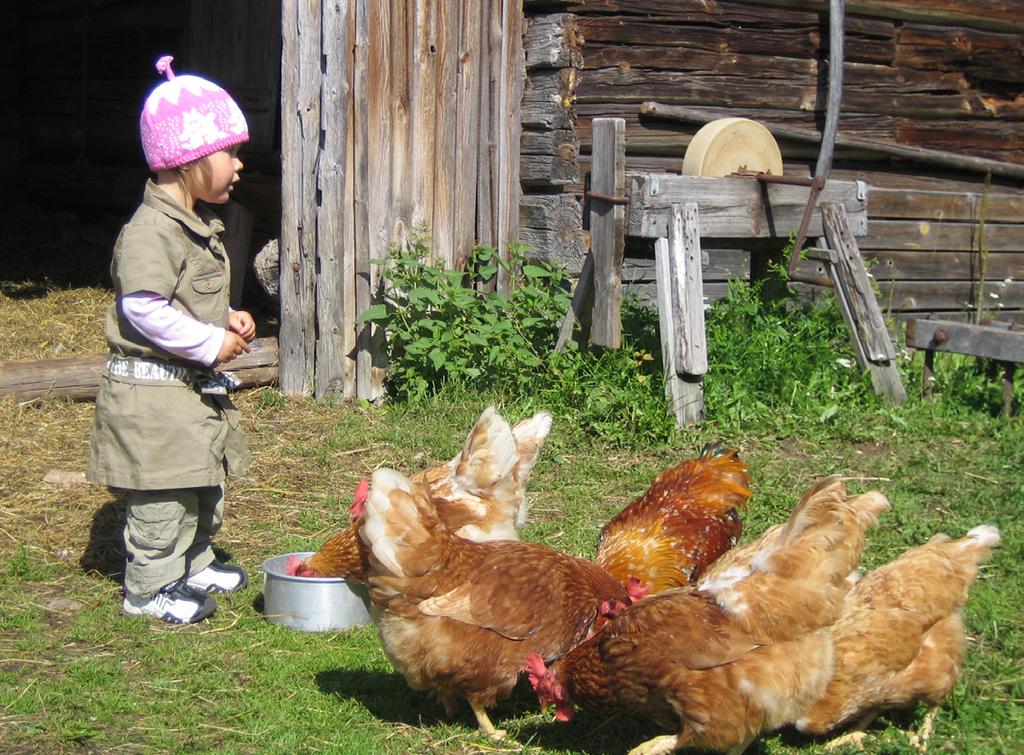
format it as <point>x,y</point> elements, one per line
<point>165,431</point>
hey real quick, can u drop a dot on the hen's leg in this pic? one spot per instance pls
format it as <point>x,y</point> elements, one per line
<point>919,741</point>
<point>855,736</point>
<point>485,722</point>
<point>658,746</point>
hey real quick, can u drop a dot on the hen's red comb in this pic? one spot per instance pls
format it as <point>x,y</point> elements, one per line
<point>358,507</point>
<point>535,665</point>
<point>292,565</point>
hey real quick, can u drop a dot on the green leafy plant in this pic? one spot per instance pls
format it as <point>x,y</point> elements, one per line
<point>441,330</point>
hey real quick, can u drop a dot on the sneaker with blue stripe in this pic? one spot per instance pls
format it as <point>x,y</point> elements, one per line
<point>218,578</point>
<point>176,603</point>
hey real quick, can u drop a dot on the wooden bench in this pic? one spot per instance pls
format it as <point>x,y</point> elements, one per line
<point>1001,341</point>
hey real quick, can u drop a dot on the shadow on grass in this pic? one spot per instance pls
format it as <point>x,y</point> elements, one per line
<point>104,553</point>
<point>385,695</point>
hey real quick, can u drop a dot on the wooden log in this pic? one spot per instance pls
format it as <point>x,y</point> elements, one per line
<point>979,54</point>
<point>733,207</point>
<point>548,97</point>
<point>761,82</point>
<point>78,378</point>
<point>934,157</point>
<point>988,341</point>
<point>552,41</point>
<point>997,15</point>
<point>607,230</point>
<point>549,158</point>
<point>552,225</point>
<point>725,29</point>
<point>1001,140</point>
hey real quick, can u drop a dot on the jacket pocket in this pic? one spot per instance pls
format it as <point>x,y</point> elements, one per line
<point>208,283</point>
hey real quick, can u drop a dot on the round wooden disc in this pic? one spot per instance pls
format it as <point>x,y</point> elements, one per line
<point>727,145</point>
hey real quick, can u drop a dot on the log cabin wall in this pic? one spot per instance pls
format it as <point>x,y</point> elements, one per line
<point>940,75</point>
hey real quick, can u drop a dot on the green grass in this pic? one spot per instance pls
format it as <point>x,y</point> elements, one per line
<point>76,675</point>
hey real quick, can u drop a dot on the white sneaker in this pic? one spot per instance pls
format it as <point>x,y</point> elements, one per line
<point>176,603</point>
<point>218,578</point>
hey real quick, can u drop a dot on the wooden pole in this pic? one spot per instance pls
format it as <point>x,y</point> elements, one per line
<point>918,154</point>
<point>607,229</point>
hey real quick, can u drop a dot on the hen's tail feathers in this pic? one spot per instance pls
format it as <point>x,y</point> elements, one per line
<point>718,478</point>
<point>401,526</point>
<point>796,582</point>
<point>488,456</point>
<point>529,434</point>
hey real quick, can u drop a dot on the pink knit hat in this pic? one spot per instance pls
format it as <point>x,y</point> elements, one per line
<point>186,118</point>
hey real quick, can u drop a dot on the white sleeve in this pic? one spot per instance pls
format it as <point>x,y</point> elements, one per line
<point>170,329</point>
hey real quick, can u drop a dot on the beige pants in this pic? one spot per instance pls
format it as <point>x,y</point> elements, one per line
<point>167,535</point>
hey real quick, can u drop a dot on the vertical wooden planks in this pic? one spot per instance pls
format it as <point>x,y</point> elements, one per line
<point>393,114</point>
<point>300,114</point>
<point>423,111</point>
<point>510,94</point>
<point>332,372</point>
<point>607,229</point>
<point>467,133</point>
<point>361,198</point>
<point>449,17</point>
<point>399,101</point>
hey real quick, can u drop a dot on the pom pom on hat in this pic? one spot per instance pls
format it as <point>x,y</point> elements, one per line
<point>188,117</point>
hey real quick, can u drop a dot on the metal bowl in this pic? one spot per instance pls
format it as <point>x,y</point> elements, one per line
<point>311,604</point>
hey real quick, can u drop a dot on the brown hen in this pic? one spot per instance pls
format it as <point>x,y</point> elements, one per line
<point>480,494</point>
<point>901,636</point>
<point>457,617</point>
<point>684,521</point>
<point>747,653</point>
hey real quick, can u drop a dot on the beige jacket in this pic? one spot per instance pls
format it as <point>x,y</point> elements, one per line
<point>157,434</point>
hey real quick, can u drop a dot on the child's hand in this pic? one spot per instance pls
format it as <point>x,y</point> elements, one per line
<point>232,346</point>
<point>242,323</point>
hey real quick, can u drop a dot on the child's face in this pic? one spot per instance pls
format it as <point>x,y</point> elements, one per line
<point>224,169</point>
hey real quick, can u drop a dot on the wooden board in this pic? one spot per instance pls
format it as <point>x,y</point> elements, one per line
<point>733,207</point>
<point>933,236</point>
<point>963,338</point>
